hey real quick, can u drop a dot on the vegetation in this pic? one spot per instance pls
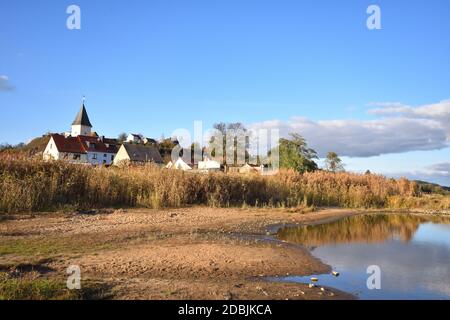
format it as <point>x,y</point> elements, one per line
<point>230,133</point>
<point>333,163</point>
<point>295,154</point>
<point>122,137</point>
<point>32,186</point>
<point>32,148</point>
<point>31,288</point>
<point>432,188</point>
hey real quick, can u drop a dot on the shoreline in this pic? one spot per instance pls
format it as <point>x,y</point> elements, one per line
<point>187,253</point>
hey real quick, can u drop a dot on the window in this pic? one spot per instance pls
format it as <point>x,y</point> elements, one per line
<point>104,155</point>
<point>76,156</point>
<point>112,158</point>
<point>94,156</point>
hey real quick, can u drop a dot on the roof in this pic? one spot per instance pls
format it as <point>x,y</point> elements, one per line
<point>110,141</point>
<point>69,144</point>
<point>95,144</point>
<point>82,118</point>
<point>180,164</point>
<point>82,144</point>
<point>142,153</point>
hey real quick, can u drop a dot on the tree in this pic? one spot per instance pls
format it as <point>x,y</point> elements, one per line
<point>234,130</point>
<point>165,148</point>
<point>333,163</point>
<point>295,154</point>
<point>122,137</point>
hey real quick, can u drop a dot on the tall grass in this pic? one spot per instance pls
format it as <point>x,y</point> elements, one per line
<point>29,186</point>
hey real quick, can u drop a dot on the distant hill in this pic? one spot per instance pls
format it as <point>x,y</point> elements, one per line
<point>428,187</point>
<point>37,145</point>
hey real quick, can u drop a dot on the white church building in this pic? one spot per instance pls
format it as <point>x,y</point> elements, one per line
<point>81,145</point>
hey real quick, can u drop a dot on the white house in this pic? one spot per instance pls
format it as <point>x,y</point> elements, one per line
<point>208,165</point>
<point>81,146</point>
<point>134,138</point>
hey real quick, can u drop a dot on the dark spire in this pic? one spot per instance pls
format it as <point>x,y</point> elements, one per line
<point>82,117</point>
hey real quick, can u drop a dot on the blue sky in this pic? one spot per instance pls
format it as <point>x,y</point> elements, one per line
<point>155,66</point>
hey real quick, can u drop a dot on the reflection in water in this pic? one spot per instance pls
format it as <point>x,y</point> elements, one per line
<point>364,229</point>
<point>413,253</point>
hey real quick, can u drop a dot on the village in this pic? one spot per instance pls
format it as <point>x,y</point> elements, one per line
<point>81,145</point>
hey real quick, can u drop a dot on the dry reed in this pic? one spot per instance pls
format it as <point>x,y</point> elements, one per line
<point>31,186</point>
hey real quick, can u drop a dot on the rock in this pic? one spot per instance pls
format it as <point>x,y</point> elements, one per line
<point>335,273</point>
<point>311,285</point>
<point>228,296</point>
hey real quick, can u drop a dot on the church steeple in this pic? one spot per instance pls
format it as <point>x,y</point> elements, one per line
<point>82,118</point>
<point>81,125</point>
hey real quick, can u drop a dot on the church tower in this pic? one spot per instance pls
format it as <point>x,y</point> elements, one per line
<point>81,126</point>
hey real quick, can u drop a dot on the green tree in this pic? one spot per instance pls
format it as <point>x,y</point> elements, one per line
<point>333,163</point>
<point>295,154</point>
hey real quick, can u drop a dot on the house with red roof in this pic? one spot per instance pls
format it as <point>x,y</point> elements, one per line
<point>81,145</point>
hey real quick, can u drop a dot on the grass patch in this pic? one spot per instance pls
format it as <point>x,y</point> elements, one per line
<point>48,247</point>
<point>46,289</point>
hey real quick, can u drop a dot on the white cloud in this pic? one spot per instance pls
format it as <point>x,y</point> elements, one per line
<point>439,112</point>
<point>441,168</point>
<point>438,173</point>
<point>4,84</point>
<point>399,129</point>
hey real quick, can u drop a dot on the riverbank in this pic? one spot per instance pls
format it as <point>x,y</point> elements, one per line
<point>189,253</point>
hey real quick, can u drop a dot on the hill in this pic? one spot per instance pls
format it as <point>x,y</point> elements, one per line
<point>428,187</point>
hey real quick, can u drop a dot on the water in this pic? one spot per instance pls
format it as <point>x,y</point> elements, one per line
<point>412,252</point>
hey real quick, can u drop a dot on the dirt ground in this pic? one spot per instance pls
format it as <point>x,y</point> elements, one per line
<point>189,253</point>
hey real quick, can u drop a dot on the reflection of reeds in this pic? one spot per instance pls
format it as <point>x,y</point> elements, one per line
<point>366,228</point>
<point>35,185</point>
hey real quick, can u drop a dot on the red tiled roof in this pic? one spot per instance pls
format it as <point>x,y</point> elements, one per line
<point>69,144</point>
<point>82,144</point>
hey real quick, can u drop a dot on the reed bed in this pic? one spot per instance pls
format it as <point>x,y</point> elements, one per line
<point>33,186</point>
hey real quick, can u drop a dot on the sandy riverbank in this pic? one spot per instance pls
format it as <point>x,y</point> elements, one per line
<point>188,253</point>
